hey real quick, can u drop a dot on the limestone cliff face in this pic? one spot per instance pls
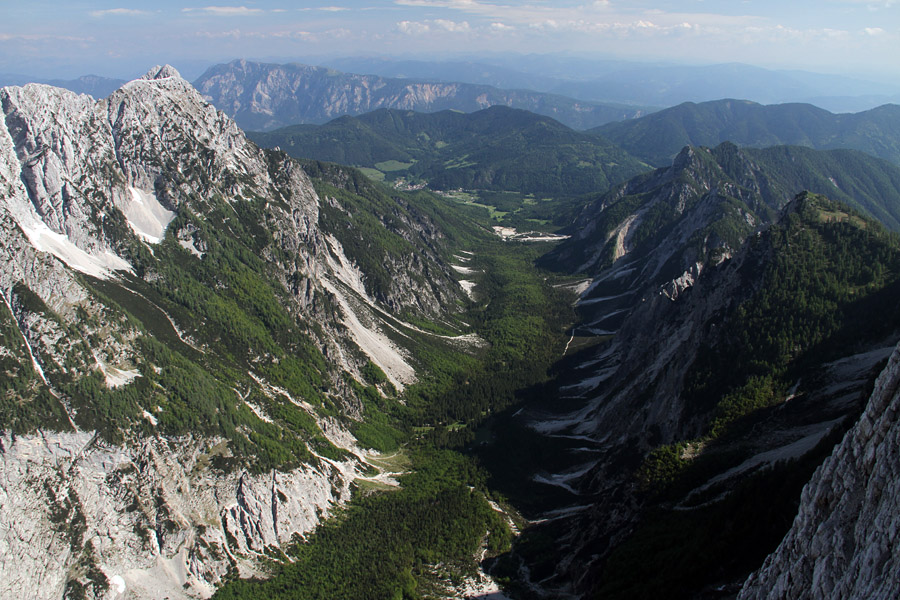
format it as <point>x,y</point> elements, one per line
<point>143,521</point>
<point>844,541</point>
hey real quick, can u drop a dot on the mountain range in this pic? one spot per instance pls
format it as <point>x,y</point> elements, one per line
<point>261,96</point>
<point>644,84</point>
<point>507,150</point>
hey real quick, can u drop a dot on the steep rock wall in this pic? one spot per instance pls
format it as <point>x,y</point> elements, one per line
<point>155,518</point>
<point>844,540</point>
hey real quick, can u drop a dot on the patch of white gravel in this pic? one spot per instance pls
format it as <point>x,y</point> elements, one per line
<point>190,247</point>
<point>146,216</point>
<point>258,411</point>
<point>375,344</point>
<point>118,377</point>
<point>468,287</point>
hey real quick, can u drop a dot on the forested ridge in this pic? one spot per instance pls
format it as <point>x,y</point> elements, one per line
<point>495,149</point>
<point>659,136</point>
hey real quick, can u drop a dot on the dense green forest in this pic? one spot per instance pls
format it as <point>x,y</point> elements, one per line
<point>389,544</point>
<point>828,272</point>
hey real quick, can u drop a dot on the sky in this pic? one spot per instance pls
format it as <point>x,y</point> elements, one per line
<point>69,38</point>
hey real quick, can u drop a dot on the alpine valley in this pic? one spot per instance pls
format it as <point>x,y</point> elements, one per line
<point>232,371</point>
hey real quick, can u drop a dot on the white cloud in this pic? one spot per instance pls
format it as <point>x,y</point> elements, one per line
<point>501,27</point>
<point>874,31</point>
<point>120,12</point>
<point>596,15</point>
<point>453,26</point>
<point>459,4</point>
<point>225,11</point>
<point>287,34</point>
<point>420,27</point>
<point>413,27</point>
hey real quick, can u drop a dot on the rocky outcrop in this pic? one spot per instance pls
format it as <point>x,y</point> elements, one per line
<point>844,540</point>
<point>154,519</point>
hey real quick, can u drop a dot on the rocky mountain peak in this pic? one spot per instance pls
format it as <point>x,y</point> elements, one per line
<point>684,158</point>
<point>73,162</point>
<point>162,72</point>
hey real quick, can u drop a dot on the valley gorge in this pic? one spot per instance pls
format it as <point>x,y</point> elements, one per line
<point>231,373</point>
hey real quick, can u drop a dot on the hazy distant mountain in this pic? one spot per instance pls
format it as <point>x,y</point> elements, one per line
<point>497,148</point>
<point>658,137</point>
<point>96,86</point>
<point>463,71</point>
<point>641,83</point>
<point>266,96</point>
<point>670,85</point>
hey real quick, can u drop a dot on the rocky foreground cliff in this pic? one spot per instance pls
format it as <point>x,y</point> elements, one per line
<point>187,330</point>
<point>844,541</point>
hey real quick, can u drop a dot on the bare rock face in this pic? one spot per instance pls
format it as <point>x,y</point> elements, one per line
<point>151,520</point>
<point>844,541</point>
